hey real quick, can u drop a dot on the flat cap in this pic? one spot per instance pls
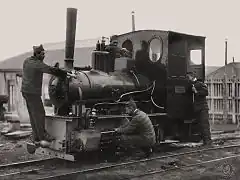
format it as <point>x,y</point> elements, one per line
<point>38,49</point>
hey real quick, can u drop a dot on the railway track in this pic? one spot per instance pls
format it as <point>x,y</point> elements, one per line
<point>139,168</point>
<point>150,173</point>
<point>49,169</point>
<point>11,169</point>
<point>36,166</point>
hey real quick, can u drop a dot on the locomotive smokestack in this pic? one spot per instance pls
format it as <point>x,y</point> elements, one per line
<point>133,21</point>
<point>70,37</point>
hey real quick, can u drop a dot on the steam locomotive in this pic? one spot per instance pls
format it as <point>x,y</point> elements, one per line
<point>90,105</point>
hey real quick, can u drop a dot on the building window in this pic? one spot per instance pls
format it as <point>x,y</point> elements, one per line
<point>12,95</point>
<point>237,89</point>
<point>209,89</point>
<point>209,102</point>
<point>218,117</point>
<point>218,105</point>
<point>217,89</point>
<point>230,109</point>
<point>229,86</point>
<point>210,117</point>
<point>237,109</point>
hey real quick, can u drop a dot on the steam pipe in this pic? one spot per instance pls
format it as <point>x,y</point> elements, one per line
<point>70,37</point>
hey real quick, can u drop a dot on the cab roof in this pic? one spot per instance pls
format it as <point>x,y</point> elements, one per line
<point>168,32</point>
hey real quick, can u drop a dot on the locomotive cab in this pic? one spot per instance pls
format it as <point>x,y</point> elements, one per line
<point>182,58</point>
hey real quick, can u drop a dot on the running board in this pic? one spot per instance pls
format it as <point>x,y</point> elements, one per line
<point>32,148</point>
<point>56,154</point>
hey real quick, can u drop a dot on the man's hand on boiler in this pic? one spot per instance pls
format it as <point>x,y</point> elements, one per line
<point>71,74</point>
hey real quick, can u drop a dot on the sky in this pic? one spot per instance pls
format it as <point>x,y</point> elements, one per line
<point>25,23</point>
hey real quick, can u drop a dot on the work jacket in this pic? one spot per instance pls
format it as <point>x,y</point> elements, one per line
<point>140,125</point>
<point>33,70</point>
<point>200,101</point>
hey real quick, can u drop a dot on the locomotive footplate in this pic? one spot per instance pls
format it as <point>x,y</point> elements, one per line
<point>33,148</point>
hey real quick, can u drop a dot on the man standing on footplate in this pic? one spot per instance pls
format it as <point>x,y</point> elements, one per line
<point>33,69</point>
<point>200,91</point>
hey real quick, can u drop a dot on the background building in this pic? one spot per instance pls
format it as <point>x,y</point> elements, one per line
<point>216,101</point>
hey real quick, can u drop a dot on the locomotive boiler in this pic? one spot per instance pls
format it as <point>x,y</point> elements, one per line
<point>93,86</point>
<point>90,102</point>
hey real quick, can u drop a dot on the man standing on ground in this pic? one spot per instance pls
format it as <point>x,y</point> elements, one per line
<point>200,91</point>
<point>33,69</point>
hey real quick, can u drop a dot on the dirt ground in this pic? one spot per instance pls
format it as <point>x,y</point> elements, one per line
<point>15,150</point>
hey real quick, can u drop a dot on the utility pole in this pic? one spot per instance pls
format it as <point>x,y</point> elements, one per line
<point>225,91</point>
<point>133,21</point>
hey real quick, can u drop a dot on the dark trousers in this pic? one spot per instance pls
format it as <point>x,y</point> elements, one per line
<point>202,118</point>
<point>36,114</point>
<point>133,141</point>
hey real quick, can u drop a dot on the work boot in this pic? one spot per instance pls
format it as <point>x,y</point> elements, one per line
<point>34,140</point>
<point>147,151</point>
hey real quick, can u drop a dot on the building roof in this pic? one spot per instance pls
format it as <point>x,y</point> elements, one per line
<point>78,44</point>
<point>55,52</point>
<point>170,32</point>
<point>82,57</point>
<point>210,69</point>
<point>232,69</point>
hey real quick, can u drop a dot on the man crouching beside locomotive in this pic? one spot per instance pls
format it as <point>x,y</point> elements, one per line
<point>139,132</point>
<point>200,91</point>
<point>33,69</point>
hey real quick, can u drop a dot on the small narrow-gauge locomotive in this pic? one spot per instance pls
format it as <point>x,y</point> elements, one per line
<point>90,105</point>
